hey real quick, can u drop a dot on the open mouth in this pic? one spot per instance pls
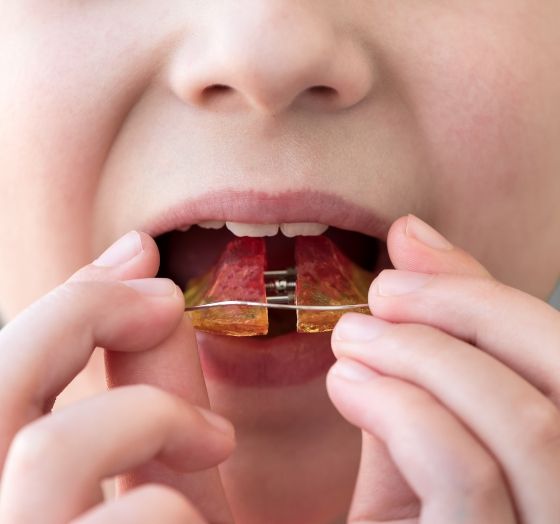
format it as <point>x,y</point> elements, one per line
<point>191,253</point>
<point>284,357</point>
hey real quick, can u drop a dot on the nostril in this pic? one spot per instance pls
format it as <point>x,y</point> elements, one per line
<point>322,91</point>
<point>319,96</point>
<point>215,90</point>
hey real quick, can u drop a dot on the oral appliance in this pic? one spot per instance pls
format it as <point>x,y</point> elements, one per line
<point>234,296</point>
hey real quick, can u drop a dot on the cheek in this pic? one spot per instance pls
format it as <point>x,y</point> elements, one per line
<point>477,112</point>
<point>475,123</point>
<point>45,163</point>
<point>480,81</point>
<point>494,170</point>
<point>482,87</point>
<point>64,93</point>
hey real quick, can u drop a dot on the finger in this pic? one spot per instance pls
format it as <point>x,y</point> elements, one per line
<point>502,321</point>
<point>144,505</point>
<point>119,430</point>
<point>526,443</point>
<point>413,245</point>
<point>51,341</point>
<point>173,366</point>
<point>456,479</point>
<point>134,255</point>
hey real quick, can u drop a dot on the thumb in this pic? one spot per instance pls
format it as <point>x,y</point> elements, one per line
<point>413,245</point>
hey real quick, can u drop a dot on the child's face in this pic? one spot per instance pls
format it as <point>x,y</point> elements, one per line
<point>114,112</point>
<point>447,110</point>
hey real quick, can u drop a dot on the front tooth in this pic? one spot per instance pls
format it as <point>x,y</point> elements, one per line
<point>184,228</point>
<point>252,230</point>
<point>303,228</point>
<point>212,224</point>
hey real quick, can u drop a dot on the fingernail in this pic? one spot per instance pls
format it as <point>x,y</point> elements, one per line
<point>354,327</point>
<point>155,287</point>
<point>392,282</point>
<point>123,250</point>
<point>217,421</point>
<point>419,230</point>
<point>353,371</point>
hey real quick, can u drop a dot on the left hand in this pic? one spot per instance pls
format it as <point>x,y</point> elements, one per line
<point>458,377</point>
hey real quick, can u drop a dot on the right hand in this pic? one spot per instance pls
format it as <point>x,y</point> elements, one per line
<point>52,463</point>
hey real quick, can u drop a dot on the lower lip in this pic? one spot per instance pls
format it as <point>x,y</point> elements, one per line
<point>286,360</point>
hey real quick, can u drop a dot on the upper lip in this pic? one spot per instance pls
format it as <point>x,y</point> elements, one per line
<point>264,208</point>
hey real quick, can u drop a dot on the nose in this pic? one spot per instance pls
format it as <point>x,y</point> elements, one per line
<point>268,56</point>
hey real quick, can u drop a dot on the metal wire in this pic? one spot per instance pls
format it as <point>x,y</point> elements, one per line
<point>275,306</point>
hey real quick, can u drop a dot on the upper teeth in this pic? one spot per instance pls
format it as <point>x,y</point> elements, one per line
<point>212,224</point>
<point>252,230</point>
<point>266,230</point>
<point>303,228</point>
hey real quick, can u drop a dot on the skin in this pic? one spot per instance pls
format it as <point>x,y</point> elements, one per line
<point>444,110</point>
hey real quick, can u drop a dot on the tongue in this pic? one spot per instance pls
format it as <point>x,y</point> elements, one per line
<point>325,276</point>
